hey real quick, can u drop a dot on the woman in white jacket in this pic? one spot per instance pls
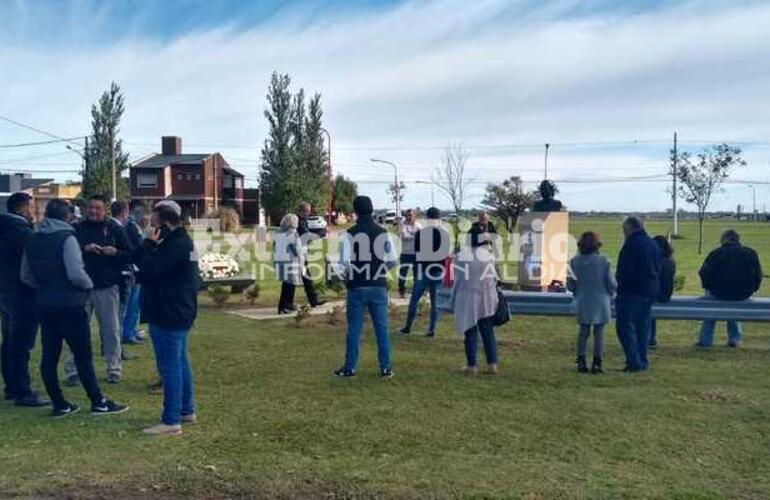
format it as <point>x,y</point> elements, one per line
<point>289,261</point>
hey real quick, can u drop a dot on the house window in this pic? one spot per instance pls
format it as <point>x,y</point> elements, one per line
<point>179,177</point>
<point>146,180</point>
<point>189,177</point>
<point>197,177</point>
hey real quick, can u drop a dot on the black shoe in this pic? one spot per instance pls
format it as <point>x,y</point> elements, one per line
<point>108,407</point>
<point>32,401</point>
<point>402,294</point>
<point>404,331</point>
<point>596,366</point>
<point>65,411</point>
<point>291,308</point>
<point>581,364</point>
<point>386,374</point>
<point>342,372</point>
<point>317,303</point>
<point>430,334</point>
<point>285,311</point>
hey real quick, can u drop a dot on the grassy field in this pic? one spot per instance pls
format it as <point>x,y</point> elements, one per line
<point>275,423</point>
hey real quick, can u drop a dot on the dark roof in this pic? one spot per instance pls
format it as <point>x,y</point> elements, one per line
<point>30,183</point>
<point>160,161</point>
<point>231,170</point>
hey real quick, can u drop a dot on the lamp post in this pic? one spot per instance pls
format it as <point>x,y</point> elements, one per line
<point>331,181</point>
<point>398,188</point>
<point>432,199</point>
<point>754,202</point>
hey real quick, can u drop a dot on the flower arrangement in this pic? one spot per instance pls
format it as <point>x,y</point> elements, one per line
<point>217,266</point>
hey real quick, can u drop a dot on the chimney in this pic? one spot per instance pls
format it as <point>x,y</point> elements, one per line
<point>172,145</point>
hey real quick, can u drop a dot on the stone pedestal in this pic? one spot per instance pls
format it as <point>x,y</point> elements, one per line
<point>544,241</point>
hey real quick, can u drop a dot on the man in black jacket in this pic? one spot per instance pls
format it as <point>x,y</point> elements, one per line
<point>53,265</point>
<point>170,283</point>
<point>106,253</point>
<point>638,276</point>
<point>731,272</point>
<point>17,302</point>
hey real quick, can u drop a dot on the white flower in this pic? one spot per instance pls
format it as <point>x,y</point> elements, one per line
<point>214,266</point>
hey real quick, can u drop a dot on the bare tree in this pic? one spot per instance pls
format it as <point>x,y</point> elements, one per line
<point>702,175</point>
<point>452,179</point>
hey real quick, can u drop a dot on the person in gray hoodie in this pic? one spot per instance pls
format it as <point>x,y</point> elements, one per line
<point>53,265</point>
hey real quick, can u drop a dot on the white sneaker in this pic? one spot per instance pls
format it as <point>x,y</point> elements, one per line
<point>190,419</point>
<point>162,429</point>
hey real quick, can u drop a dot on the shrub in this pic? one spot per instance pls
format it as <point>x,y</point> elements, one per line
<point>679,281</point>
<point>219,294</point>
<point>303,313</point>
<point>252,293</point>
<point>229,220</point>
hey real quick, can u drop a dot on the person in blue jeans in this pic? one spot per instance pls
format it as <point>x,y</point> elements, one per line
<point>432,246</point>
<point>732,272</point>
<point>170,285</point>
<point>638,278</point>
<point>367,253</point>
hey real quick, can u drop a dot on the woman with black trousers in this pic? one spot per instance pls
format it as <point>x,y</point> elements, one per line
<point>289,261</point>
<point>667,273</point>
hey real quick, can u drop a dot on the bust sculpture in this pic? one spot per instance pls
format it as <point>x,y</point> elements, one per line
<point>547,201</point>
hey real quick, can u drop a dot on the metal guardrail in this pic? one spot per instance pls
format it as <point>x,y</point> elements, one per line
<point>680,307</point>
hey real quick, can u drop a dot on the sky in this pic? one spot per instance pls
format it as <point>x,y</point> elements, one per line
<point>606,83</point>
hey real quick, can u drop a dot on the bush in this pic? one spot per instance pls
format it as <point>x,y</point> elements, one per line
<point>303,313</point>
<point>219,294</point>
<point>252,293</point>
<point>679,281</point>
<point>229,220</point>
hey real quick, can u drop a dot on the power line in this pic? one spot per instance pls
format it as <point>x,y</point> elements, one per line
<point>39,143</point>
<point>34,129</point>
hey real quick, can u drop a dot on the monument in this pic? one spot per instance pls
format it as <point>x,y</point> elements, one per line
<point>544,239</point>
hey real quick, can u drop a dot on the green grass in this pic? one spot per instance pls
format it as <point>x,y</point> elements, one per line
<point>275,423</point>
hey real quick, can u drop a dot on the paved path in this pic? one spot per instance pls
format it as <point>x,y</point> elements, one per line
<point>266,313</point>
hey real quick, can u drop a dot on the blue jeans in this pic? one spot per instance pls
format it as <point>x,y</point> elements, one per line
<point>633,315</point>
<point>171,357</point>
<point>734,333</point>
<point>420,285</point>
<point>358,301</point>
<point>130,318</point>
<point>487,331</point>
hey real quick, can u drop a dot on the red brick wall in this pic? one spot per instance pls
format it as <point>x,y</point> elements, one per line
<point>187,180</point>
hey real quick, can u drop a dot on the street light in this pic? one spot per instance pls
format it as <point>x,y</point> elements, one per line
<point>331,182</point>
<point>398,188</point>
<point>754,200</point>
<point>432,199</point>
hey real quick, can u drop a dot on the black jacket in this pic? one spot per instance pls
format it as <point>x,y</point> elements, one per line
<point>367,267</point>
<point>432,245</point>
<point>638,271</point>
<point>133,232</point>
<point>731,272</point>
<point>478,229</point>
<point>15,230</point>
<point>105,271</point>
<point>667,273</point>
<point>170,281</point>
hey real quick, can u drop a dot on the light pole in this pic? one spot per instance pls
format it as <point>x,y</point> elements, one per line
<point>432,199</point>
<point>547,148</point>
<point>398,188</point>
<point>754,202</point>
<point>331,182</point>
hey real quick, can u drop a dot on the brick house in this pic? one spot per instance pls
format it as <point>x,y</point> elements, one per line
<point>200,183</point>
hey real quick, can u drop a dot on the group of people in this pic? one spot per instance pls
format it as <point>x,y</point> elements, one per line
<point>645,275</point>
<point>116,264</point>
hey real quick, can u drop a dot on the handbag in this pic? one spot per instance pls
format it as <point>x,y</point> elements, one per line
<point>502,314</point>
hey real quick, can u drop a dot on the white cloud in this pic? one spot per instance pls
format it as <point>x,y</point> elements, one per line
<point>425,74</point>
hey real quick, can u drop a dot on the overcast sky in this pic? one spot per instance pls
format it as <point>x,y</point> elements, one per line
<point>401,80</point>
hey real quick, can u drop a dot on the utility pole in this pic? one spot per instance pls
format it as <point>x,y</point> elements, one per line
<point>545,173</point>
<point>397,186</point>
<point>112,158</point>
<point>674,162</point>
<point>86,158</point>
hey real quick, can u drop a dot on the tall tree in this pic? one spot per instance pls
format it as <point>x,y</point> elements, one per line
<point>701,176</point>
<point>508,200</point>
<point>294,164</point>
<point>105,129</point>
<point>345,192</point>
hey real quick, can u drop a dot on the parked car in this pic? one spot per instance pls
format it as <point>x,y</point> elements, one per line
<point>317,224</point>
<point>390,217</point>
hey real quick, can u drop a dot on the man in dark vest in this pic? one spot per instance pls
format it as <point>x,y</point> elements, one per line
<point>367,253</point>
<point>17,302</point>
<point>53,265</point>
